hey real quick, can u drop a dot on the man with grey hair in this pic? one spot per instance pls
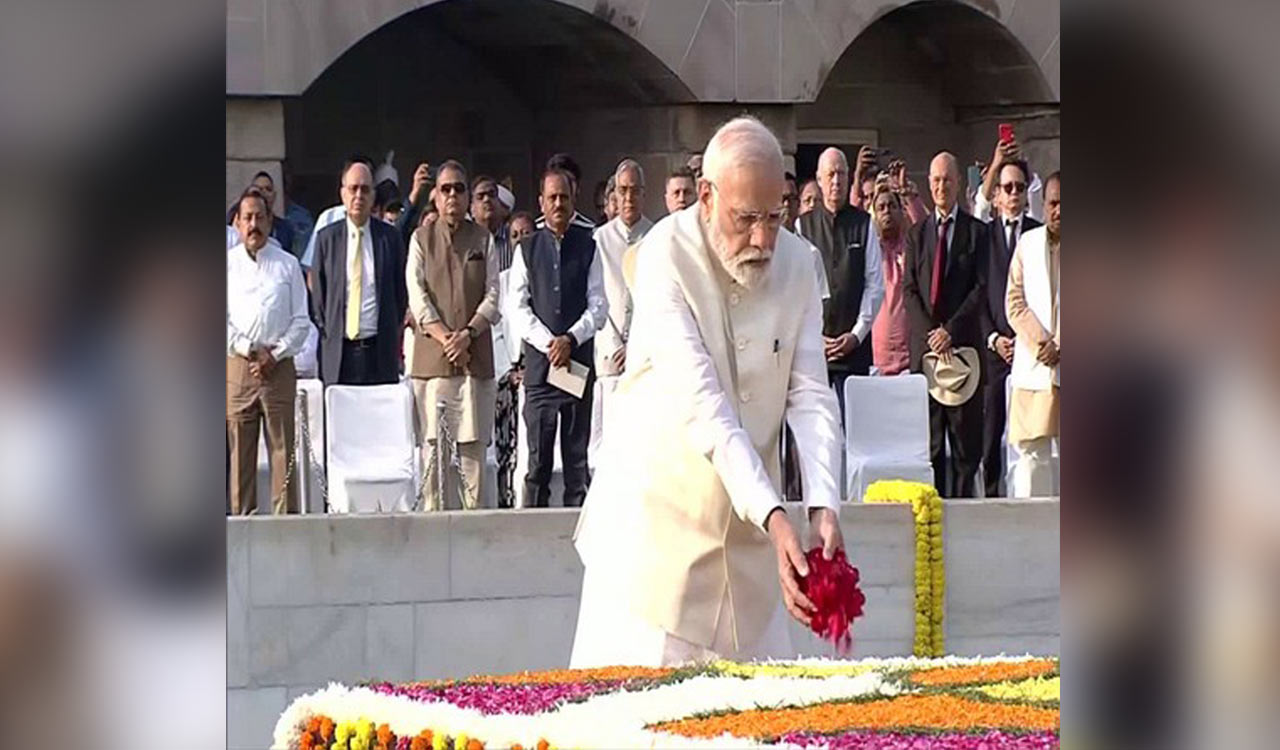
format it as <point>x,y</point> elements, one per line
<point>684,530</point>
<point>613,240</point>
<point>851,258</point>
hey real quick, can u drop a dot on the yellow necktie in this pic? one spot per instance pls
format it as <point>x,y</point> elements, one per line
<point>355,280</point>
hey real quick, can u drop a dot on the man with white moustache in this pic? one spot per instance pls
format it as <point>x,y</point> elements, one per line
<point>688,552</point>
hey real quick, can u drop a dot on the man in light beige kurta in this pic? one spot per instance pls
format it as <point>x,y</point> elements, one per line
<point>452,276</point>
<point>688,552</point>
<point>1032,304</point>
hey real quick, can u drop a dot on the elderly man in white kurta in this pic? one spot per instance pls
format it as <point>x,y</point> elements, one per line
<point>613,239</point>
<point>689,554</point>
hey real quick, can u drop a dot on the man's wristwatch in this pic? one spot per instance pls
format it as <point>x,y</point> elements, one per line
<point>471,332</point>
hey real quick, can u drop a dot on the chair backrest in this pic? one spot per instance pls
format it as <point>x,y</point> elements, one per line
<point>368,423</point>
<point>887,416</point>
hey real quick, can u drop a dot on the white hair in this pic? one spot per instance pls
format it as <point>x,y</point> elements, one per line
<point>844,160</point>
<point>740,141</point>
<point>629,165</point>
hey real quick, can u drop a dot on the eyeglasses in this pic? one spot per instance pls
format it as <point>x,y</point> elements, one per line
<point>452,188</point>
<point>1012,188</point>
<point>745,221</point>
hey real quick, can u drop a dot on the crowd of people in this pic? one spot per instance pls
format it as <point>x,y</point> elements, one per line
<point>489,309</point>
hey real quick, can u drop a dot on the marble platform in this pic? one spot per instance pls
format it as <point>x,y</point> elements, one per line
<point>350,598</point>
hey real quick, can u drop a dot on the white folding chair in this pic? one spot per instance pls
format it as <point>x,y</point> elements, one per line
<point>886,431</point>
<point>369,435</point>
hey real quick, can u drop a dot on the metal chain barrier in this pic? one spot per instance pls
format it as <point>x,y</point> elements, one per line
<point>437,458</point>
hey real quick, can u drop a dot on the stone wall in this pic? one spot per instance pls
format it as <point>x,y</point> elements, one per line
<point>318,598</point>
<point>255,142</point>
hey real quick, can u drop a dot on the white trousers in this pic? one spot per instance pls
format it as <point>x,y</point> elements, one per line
<point>601,393</point>
<point>1033,468</point>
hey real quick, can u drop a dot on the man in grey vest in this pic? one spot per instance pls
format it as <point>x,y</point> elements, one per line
<point>851,257</point>
<point>558,289</point>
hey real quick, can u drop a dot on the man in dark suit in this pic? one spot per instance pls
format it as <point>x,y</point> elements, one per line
<point>359,299</point>
<point>851,256</point>
<point>1009,224</point>
<point>944,288</point>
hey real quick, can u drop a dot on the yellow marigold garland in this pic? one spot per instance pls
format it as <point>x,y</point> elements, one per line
<point>926,508</point>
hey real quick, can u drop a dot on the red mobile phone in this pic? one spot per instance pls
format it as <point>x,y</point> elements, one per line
<point>1006,132</point>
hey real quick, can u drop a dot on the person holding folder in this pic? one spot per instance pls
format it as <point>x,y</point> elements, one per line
<point>558,289</point>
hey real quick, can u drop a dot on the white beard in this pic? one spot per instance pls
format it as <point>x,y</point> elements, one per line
<point>744,267</point>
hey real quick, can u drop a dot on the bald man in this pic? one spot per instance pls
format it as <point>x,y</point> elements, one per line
<point>359,295</point>
<point>851,259</point>
<point>943,289</point>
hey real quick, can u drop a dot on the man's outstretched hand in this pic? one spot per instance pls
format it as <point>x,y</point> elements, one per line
<point>791,563</point>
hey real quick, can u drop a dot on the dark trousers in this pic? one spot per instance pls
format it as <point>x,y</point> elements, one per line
<point>962,427</point>
<point>543,405</point>
<point>993,416</point>
<point>360,363</point>
<point>791,484</point>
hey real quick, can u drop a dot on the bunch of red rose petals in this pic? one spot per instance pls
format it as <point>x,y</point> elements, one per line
<point>832,586</point>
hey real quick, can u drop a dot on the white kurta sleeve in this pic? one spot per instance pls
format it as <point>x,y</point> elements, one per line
<point>523,318</point>
<point>813,415</point>
<point>295,335</point>
<point>872,289</point>
<point>682,360</point>
<point>593,319</point>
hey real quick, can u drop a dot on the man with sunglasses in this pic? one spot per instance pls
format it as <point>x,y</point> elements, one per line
<point>452,276</point>
<point>851,258</point>
<point>1006,228</point>
<point>359,299</point>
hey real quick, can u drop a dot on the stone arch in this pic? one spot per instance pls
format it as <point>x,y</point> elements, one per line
<point>281,47</point>
<point>815,35</point>
<point>716,50</point>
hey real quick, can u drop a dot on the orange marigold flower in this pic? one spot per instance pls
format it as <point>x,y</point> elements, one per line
<point>313,724</point>
<point>474,744</point>
<point>907,711</point>
<point>326,729</point>
<point>981,673</point>
<point>517,746</point>
<point>418,743</point>
<point>307,741</point>
<point>385,737</point>
<point>543,745</point>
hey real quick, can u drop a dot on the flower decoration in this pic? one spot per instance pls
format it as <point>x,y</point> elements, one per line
<point>930,576</point>
<point>832,586</point>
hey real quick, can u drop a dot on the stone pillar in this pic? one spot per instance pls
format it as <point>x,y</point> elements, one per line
<point>255,141</point>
